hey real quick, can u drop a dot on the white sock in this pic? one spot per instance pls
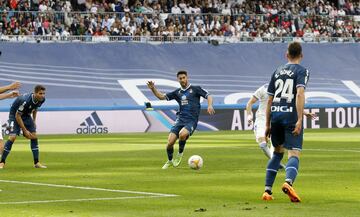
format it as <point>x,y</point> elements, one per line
<point>265,149</point>
<point>268,188</point>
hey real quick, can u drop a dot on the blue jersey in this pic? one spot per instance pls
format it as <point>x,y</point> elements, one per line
<point>283,87</point>
<point>189,102</point>
<point>25,105</point>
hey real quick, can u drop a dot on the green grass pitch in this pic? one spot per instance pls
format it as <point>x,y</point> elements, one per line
<point>82,168</point>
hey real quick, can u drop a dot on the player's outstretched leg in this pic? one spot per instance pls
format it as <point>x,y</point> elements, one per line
<point>183,136</point>
<point>7,149</point>
<point>170,150</point>
<point>271,171</point>
<point>35,150</point>
<point>291,172</point>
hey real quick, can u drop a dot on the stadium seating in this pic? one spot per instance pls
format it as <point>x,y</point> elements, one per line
<point>238,22</point>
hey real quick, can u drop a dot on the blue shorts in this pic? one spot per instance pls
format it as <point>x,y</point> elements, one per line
<point>282,135</point>
<point>189,125</point>
<point>15,128</point>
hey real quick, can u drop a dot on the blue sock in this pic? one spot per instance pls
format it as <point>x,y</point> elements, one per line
<point>35,150</point>
<point>292,167</point>
<point>170,151</point>
<point>7,149</point>
<point>181,146</point>
<point>272,168</point>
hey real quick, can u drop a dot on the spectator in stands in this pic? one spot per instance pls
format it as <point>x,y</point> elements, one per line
<point>175,9</point>
<point>278,19</point>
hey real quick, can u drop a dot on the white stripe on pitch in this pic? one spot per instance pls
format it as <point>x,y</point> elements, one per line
<point>89,188</point>
<point>77,200</point>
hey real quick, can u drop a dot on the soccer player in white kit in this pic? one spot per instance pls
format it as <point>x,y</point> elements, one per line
<point>4,94</point>
<point>261,95</point>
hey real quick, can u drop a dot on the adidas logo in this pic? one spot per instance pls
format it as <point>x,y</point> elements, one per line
<point>92,125</point>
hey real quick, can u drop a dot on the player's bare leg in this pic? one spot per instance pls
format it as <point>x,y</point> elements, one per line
<point>170,150</point>
<point>291,173</point>
<point>183,136</point>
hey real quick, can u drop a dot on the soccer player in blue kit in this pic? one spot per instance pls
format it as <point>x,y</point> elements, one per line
<point>284,120</point>
<point>188,98</point>
<point>22,116</point>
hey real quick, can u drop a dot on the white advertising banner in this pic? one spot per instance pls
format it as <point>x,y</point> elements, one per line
<point>88,122</point>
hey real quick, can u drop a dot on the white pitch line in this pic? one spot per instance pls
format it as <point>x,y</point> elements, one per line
<point>89,188</point>
<point>77,200</point>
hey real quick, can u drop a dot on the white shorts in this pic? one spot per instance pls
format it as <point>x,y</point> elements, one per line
<point>259,128</point>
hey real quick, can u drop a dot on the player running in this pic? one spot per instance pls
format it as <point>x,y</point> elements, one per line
<point>284,120</point>
<point>20,119</point>
<point>188,98</point>
<point>260,123</point>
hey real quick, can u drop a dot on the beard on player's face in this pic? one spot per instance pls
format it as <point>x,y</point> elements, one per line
<point>183,81</point>
<point>40,96</point>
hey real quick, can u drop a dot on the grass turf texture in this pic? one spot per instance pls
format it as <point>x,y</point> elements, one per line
<point>229,184</point>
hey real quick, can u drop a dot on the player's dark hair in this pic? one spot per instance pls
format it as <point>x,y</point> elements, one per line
<point>294,50</point>
<point>39,88</point>
<point>182,72</point>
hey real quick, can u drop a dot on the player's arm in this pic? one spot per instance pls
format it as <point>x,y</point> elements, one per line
<point>271,93</point>
<point>249,106</point>
<point>310,115</point>
<point>34,113</point>
<point>300,102</point>
<point>268,113</point>
<point>11,94</point>
<point>205,94</point>
<point>20,122</point>
<point>210,108</point>
<point>158,94</point>
<point>12,86</point>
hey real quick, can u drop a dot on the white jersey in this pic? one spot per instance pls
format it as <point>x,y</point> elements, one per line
<point>262,96</point>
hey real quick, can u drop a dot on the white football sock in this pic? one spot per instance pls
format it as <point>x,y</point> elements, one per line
<point>265,149</point>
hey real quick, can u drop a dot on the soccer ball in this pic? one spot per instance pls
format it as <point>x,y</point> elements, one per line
<point>195,162</point>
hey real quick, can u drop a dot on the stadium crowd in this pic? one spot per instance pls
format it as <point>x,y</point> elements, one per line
<point>236,19</point>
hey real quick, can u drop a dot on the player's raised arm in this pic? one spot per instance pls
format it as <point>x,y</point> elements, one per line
<point>11,94</point>
<point>249,106</point>
<point>12,86</point>
<point>158,94</point>
<point>300,102</point>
